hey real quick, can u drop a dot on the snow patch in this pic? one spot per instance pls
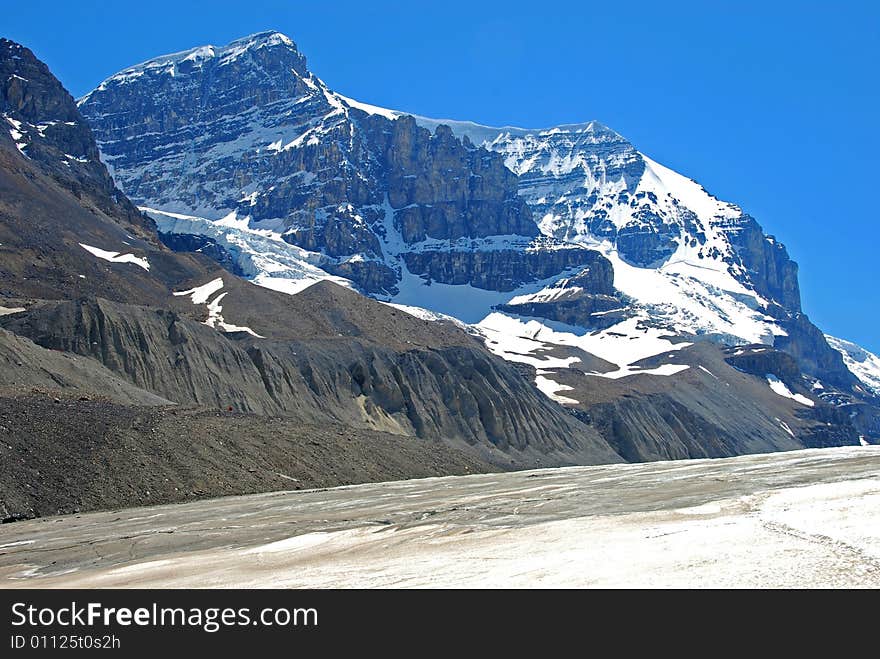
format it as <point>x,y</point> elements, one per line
<point>116,257</point>
<point>551,389</point>
<point>426,314</point>
<point>370,109</point>
<point>778,387</point>
<point>706,370</point>
<point>201,294</point>
<point>529,341</point>
<point>784,426</point>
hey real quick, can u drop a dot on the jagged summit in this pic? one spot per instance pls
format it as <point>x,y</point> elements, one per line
<point>186,61</point>
<point>262,39</point>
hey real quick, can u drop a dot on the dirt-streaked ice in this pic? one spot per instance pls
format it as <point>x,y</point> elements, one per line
<point>800,519</point>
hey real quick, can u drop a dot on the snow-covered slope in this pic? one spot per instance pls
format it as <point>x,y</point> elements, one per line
<point>864,365</point>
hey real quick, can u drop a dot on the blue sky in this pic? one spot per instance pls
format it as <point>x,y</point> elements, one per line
<point>772,105</point>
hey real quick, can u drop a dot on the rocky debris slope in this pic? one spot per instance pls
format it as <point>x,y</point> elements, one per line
<point>119,456</point>
<point>25,365</point>
<point>426,379</point>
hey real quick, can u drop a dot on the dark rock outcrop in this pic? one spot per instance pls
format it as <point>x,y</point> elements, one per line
<point>770,270</point>
<point>760,360</point>
<point>374,277</point>
<point>587,299</point>
<point>499,270</point>
<point>649,244</point>
<point>806,343</point>
<point>187,242</point>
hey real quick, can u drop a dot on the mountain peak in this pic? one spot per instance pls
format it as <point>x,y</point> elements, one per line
<point>261,39</point>
<point>184,61</point>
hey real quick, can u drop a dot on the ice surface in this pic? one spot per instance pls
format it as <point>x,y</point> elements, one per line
<point>796,519</point>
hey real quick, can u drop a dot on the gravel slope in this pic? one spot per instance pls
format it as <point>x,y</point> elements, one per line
<point>62,454</point>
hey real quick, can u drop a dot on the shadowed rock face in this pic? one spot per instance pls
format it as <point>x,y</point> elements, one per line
<point>56,194</point>
<point>54,135</point>
<point>181,242</point>
<point>499,270</point>
<point>806,343</point>
<point>770,268</point>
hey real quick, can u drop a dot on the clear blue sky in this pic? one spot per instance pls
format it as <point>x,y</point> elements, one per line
<point>772,105</point>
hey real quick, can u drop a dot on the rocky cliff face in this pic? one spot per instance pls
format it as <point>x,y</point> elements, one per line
<point>503,269</point>
<point>767,264</point>
<point>444,188</point>
<point>268,143</point>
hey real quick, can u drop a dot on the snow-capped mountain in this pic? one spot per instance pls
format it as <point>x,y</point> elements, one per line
<point>546,241</point>
<point>245,156</point>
